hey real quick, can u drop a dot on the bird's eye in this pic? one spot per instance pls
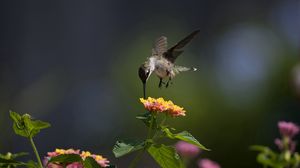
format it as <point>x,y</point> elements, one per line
<point>147,72</point>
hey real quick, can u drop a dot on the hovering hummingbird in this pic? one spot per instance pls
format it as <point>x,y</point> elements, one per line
<point>162,61</point>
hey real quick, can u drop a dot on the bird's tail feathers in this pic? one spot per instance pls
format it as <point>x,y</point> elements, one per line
<point>178,69</point>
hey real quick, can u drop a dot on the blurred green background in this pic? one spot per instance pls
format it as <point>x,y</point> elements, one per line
<point>74,64</point>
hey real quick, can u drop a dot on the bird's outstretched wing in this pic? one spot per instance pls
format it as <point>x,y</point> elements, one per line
<point>176,50</point>
<point>160,46</point>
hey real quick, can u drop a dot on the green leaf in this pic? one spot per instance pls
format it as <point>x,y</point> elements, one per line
<point>8,161</point>
<point>165,156</point>
<point>90,162</point>
<point>296,159</point>
<point>65,159</point>
<point>25,126</point>
<point>20,154</point>
<point>187,137</point>
<point>9,155</point>
<point>263,159</point>
<point>18,124</point>
<point>17,119</point>
<point>264,149</point>
<point>184,136</point>
<point>269,158</point>
<point>146,118</point>
<point>34,127</point>
<point>32,164</point>
<point>125,147</point>
<point>260,148</point>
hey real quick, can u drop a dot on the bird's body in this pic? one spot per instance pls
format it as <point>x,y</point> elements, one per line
<point>162,60</point>
<point>161,66</point>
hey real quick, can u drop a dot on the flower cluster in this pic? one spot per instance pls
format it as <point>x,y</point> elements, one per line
<point>288,131</point>
<point>162,106</point>
<point>103,162</point>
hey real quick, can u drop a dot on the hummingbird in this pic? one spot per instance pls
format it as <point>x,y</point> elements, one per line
<point>162,61</point>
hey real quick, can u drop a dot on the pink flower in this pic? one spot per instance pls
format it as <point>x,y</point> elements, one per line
<point>288,129</point>
<point>51,165</point>
<point>103,162</point>
<point>62,151</point>
<point>162,106</point>
<point>75,165</point>
<point>206,163</point>
<point>72,165</point>
<point>187,150</point>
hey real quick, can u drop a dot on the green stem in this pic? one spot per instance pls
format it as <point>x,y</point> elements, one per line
<point>150,127</point>
<point>141,152</point>
<point>157,134</point>
<point>164,120</point>
<point>36,153</point>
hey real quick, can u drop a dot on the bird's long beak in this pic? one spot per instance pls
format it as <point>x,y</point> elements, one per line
<point>144,84</point>
<point>144,89</point>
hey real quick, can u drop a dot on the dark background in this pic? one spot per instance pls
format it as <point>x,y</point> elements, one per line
<point>74,64</point>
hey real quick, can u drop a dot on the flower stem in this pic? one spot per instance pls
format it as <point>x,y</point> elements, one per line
<point>150,127</point>
<point>36,153</point>
<point>164,120</point>
<point>157,134</point>
<point>141,152</point>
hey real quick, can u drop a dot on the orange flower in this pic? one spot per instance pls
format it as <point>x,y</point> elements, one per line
<point>162,106</point>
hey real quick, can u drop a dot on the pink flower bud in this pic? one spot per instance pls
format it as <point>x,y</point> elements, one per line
<point>279,143</point>
<point>187,150</point>
<point>206,163</point>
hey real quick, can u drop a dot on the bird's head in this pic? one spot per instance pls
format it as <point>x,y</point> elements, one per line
<point>144,72</point>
